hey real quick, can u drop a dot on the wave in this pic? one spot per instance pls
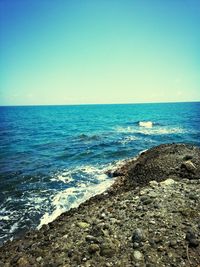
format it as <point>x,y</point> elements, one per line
<point>71,198</point>
<point>94,181</point>
<point>146,124</point>
<point>85,137</point>
<point>137,123</point>
<point>128,139</point>
<point>151,131</point>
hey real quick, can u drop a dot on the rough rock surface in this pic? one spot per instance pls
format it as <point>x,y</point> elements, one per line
<point>149,218</point>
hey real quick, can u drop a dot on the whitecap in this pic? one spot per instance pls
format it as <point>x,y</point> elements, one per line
<point>146,124</point>
<point>151,131</point>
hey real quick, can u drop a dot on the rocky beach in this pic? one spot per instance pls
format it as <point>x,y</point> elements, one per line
<point>150,217</point>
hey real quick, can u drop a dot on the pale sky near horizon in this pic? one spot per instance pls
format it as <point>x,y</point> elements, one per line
<point>105,51</point>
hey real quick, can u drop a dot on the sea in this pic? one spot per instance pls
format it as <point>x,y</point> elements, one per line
<point>53,158</point>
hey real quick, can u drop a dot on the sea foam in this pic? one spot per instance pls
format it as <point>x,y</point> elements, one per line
<point>146,124</point>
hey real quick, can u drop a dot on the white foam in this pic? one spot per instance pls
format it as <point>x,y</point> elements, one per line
<point>151,131</point>
<point>146,124</point>
<point>71,198</point>
<point>64,177</point>
<point>128,139</point>
<point>14,227</point>
<point>125,129</point>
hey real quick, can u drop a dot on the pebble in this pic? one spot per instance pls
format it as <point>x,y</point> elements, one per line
<point>83,225</point>
<point>153,184</point>
<point>191,238</point>
<point>39,259</point>
<point>172,243</point>
<point>167,182</point>
<point>193,196</point>
<point>138,236</point>
<point>23,262</point>
<point>93,248</point>
<point>107,250</point>
<point>189,166</point>
<point>138,255</point>
<point>91,238</point>
<point>146,200</point>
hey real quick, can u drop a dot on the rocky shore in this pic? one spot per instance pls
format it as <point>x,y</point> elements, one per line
<point>150,217</point>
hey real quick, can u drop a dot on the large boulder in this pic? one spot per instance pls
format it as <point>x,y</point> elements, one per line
<point>159,163</point>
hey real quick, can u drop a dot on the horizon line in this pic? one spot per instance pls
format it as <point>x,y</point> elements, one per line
<point>90,104</point>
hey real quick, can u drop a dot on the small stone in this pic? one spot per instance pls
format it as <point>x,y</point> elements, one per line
<point>187,157</point>
<point>136,245</point>
<point>193,196</point>
<point>138,256</point>
<point>189,166</point>
<point>39,259</point>
<point>146,200</point>
<point>90,238</point>
<point>23,262</point>
<point>191,238</point>
<point>138,235</point>
<point>93,248</point>
<point>172,243</point>
<point>107,250</point>
<point>167,182</point>
<point>83,225</point>
<point>153,184</point>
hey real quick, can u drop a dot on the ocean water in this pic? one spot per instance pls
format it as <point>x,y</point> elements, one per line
<point>53,158</point>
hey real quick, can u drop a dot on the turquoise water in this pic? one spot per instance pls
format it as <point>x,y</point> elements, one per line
<point>54,157</point>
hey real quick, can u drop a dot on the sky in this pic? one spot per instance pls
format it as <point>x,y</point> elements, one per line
<point>99,51</point>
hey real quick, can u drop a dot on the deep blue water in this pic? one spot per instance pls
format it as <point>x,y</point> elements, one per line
<point>54,157</point>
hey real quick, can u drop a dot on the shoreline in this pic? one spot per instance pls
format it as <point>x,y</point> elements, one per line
<point>148,217</point>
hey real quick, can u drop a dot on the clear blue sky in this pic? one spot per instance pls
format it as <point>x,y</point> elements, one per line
<point>105,51</point>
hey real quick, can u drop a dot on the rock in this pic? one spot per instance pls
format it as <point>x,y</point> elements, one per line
<point>107,250</point>
<point>138,256</point>
<point>173,243</point>
<point>189,166</point>
<point>167,182</point>
<point>153,184</point>
<point>83,225</point>
<point>23,262</point>
<point>146,200</point>
<point>187,157</point>
<point>92,239</point>
<point>39,259</point>
<point>136,245</point>
<point>93,248</point>
<point>138,236</point>
<point>193,196</point>
<point>191,238</point>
